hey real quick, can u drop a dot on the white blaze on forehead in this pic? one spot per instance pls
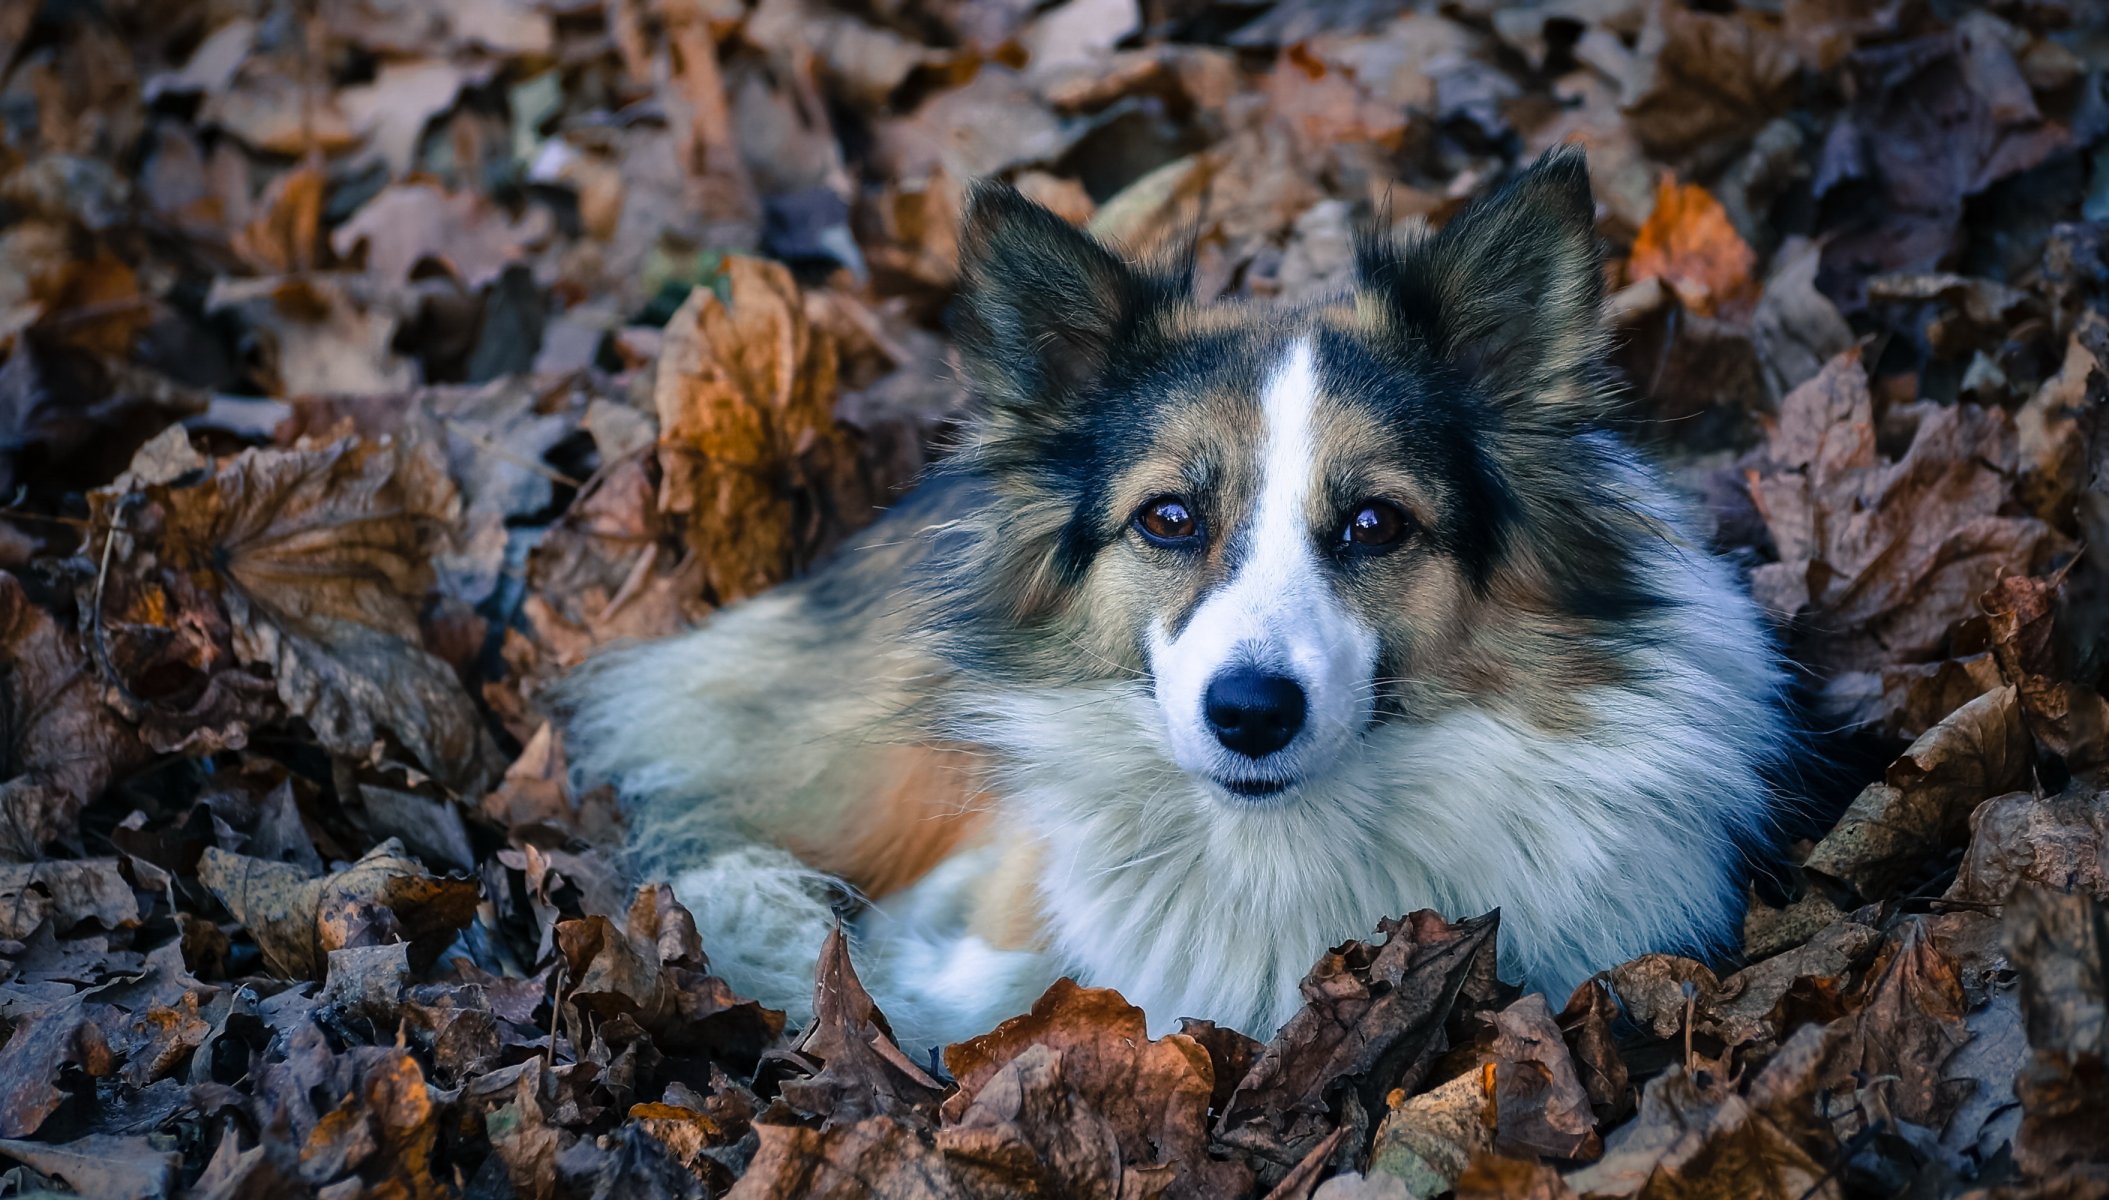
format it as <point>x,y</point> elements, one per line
<point>1278,610</point>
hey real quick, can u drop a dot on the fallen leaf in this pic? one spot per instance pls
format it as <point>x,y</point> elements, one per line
<point>1430,1140</point>
<point>60,744</point>
<point>1925,801</point>
<point>40,1045</point>
<point>863,1071</point>
<point>1880,560</point>
<point>1075,1098</point>
<point>1541,1106</point>
<point>1700,76</point>
<point>2059,842</point>
<point>745,394</point>
<point>1375,1018</point>
<point>99,1165</point>
<point>875,1156</point>
<point>1688,243</point>
<point>311,563</point>
<point>297,920</point>
<point>65,893</point>
<point>412,223</point>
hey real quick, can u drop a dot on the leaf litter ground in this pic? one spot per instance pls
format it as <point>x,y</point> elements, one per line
<point>365,366</point>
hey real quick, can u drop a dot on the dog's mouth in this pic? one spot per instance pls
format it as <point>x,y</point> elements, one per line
<point>1255,789</point>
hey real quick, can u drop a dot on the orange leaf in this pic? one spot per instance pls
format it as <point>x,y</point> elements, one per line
<point>1689,243</point>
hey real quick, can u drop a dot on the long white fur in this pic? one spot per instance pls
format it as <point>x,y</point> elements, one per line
<point>1595,846</point>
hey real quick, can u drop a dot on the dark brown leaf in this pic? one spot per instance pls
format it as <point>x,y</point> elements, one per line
<point>297,921</point>
<point>1375,1019</point>
<point>1074,1098</point>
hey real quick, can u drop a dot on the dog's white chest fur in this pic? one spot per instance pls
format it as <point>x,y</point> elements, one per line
<point>1595,847</point>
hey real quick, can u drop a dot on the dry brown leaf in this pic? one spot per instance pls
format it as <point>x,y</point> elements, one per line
<point>1907,1023</point>
<point>65,892</point>
<point>1696,1139</point>
<point>286,235</point>
<point>311,563</point>
<point>60,743</point>
<point>412,223</point>
<point>1700,76</point>
<point>746,396</point>
<point>1541,1107</point>
<point>1429,1140</point>
<point>52,1038</point>
<point>1375,1018</point>
<point>297,921</point>
<point>877,1156</point>
<point>863,1071</point>
<point>2070,720</point>
<point>651,970</point>
<point>2021,838</point>
<point>1074,1098</point>
<point>1923,805</point>
<point>1689,243</point>
<point>1880,559</point>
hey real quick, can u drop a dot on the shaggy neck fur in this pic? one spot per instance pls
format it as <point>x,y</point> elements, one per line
<point>1595,845</point>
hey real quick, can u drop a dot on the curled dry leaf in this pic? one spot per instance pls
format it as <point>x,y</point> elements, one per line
<point>1694,1137</point>
<point>1375,1018</point>
<point>55,1037</point>
<point>309,563</point>
<point>2059,841</point>
<point>297,921</point>
<point>1689,244</point>
<point>651,969</point>
<point>1923,805</point>
<point>1074,1098</point>
<point>1880,560</point>
<point>863,1070</point>
<point>1542,1109</point>
<point>2070,720</point>
<point>1429,1140</point>
<point>746,395</point>
<point>59,742</point>
<point>65,892</point>
<point>878,1156</point>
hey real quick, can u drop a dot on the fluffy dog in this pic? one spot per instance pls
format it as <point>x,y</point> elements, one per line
<point>1227,631</point>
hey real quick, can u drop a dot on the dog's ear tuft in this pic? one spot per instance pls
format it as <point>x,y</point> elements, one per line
<point>1510,291</point>
<point>1042,305</point>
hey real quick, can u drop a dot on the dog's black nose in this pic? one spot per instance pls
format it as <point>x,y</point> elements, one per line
<point>1253,712</point>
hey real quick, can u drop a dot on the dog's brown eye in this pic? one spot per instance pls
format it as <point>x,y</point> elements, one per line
<point>1167,521</point>
<point>1372,527</point>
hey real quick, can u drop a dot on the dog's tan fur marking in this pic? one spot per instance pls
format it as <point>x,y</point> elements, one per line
<point>926,802</point>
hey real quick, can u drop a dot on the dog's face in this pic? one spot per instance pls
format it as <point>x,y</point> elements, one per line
<point>1293,526</point>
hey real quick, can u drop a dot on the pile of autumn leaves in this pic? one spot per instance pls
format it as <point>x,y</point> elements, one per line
<point>298,900</point>
<point>239,1002</point>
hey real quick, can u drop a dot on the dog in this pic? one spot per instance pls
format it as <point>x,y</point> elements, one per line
<point>1225,632</point>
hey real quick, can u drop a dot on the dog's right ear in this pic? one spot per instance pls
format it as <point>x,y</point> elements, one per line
<point>1042,305</point>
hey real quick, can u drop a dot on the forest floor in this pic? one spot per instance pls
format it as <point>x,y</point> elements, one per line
<point>366,364</point>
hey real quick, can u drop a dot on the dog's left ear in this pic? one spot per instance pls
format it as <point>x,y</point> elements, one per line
<point>1042,305</point>
<point>1509,291</point>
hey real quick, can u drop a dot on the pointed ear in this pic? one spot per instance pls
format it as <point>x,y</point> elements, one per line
<point>1510,290</point>
<point>1042,305</point>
